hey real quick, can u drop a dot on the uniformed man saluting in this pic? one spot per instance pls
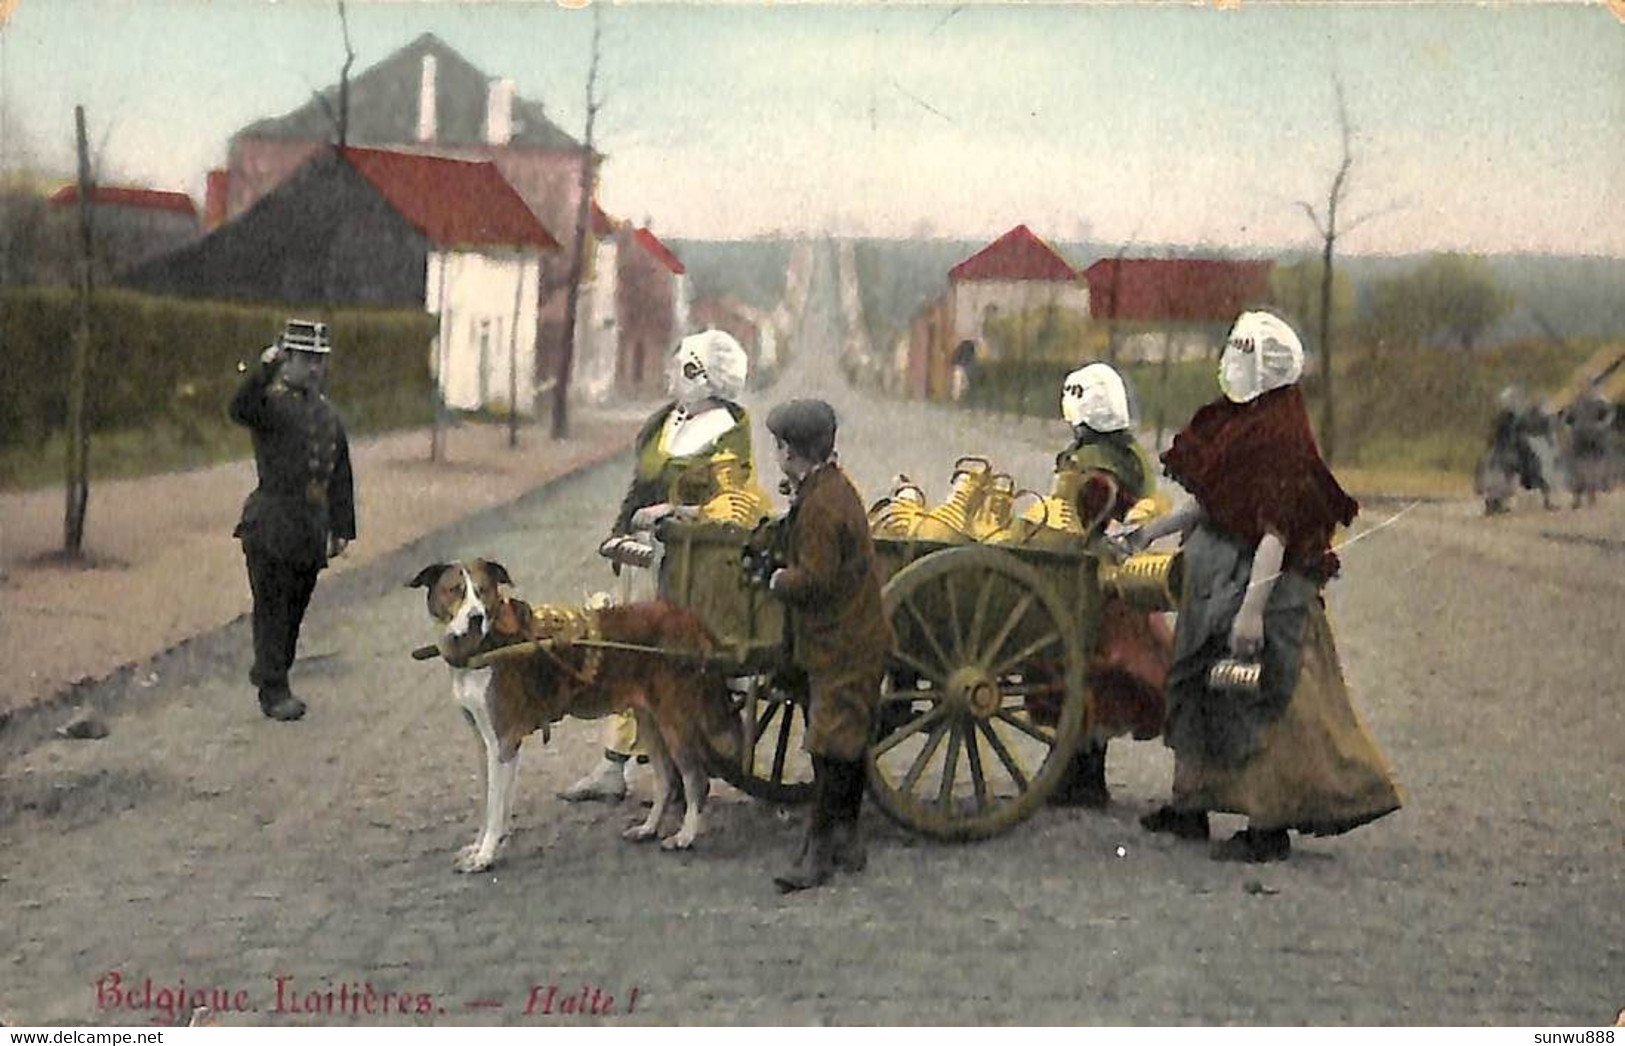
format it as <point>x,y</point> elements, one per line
<point>303,511</point>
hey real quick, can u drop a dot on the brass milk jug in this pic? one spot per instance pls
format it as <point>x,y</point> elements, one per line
<point>1059,511</point>
<point>898,513</point>
<point>992,520</point>
<point>949,522</point>
<point>734,502</point>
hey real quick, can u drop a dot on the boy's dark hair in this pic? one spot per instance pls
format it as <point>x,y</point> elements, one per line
<point>807,427</point>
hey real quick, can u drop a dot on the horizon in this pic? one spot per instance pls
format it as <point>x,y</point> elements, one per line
<point>1491,131</point>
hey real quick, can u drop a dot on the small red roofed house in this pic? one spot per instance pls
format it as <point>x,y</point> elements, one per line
<point>651,308</point>
<point>128,225</point>
<point>1181,307</point>
<point>1017,274</point>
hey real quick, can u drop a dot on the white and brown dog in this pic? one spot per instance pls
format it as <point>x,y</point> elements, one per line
<point>683,708</point>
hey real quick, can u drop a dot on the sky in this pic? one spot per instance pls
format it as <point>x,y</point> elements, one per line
<point>1476,128</point>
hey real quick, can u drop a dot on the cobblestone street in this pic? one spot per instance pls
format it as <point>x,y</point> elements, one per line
<point>293,866</point>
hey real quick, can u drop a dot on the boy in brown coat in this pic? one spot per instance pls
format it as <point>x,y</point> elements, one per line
<point>842,638</point>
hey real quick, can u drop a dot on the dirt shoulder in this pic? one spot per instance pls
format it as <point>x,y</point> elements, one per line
<point>162,565</point>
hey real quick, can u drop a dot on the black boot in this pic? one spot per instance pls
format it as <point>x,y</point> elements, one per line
<point>1084,783</point>
<point>1186,824</point>
<point>280,704</point>
<point>850,854</point>
<point>817,861</point>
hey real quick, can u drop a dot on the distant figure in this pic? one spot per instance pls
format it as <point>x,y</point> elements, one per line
<point>303,511</point>
<point>1589,422</point>
<point>1521,452</point>
<point>964,367</point>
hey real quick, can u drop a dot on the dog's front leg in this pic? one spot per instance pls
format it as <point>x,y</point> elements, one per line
<point>665,782</point>
<point>696,786</point>
<point>500,777</point>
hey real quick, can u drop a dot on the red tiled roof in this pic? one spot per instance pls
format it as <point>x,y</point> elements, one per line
<point>602,224</point>
<point>455,202</point>
<point>652,244</point>
<point>118,196</point>
<point>1017,255</point>
<point>1175,288</point>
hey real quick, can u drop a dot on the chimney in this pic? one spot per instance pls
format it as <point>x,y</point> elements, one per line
<point>426,96</point>
<point>498,112</point>
<point>218,195</point>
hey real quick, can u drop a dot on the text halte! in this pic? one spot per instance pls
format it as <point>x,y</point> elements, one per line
<point>549,1000</point>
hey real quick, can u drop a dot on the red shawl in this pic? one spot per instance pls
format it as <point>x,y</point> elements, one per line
<point>1254,467</point>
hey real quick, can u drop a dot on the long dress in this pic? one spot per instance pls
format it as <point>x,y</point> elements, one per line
<point>1296,754</point>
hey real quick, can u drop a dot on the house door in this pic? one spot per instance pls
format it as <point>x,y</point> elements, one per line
<point>483,338</point>
<point>637,363</point>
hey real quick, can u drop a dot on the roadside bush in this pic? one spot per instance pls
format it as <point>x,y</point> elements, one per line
<point>171,363</point>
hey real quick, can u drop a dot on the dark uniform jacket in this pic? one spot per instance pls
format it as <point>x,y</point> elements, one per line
<point>833,580</point>
<point>306,491</point>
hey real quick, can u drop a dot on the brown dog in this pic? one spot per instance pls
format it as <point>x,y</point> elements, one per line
<point>683,708</point>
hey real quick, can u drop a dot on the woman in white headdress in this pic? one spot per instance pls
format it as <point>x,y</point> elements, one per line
<point>1128,666</point>
<point>675,453</point>
<point>1292,755</point>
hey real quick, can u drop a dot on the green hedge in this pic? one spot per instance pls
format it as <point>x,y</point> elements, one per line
<point>165,362</point>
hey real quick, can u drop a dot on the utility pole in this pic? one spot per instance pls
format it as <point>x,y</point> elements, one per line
<point>513,356</point>
<point>589,179</point>
<point>78,450</point>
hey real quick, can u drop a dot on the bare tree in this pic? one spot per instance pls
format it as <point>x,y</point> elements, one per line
<point>340,119</point>
<point>78,450</point>
<point>572,299</point>
<point>1329,232</point>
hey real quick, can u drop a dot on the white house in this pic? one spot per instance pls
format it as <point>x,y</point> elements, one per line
<point>482,271</point>
<point>1017,273</point>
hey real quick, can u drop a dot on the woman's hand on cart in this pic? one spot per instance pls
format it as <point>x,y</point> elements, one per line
<point>645,518</point>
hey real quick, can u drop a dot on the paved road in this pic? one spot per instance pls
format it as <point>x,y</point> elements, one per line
<point>201,843</point>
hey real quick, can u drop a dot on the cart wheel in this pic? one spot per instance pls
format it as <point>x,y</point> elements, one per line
<point>773,766</point>
<point>977,630</point>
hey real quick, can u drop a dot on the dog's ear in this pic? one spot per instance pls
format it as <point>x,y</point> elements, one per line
<point>428,575</point>
<point>499,573</point>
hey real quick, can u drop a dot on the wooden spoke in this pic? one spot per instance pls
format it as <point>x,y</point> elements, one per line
<point>979,614</point>
<point>932,743</point>
<point>783,747</point>
<point>1010,762</point>
<point>1018,612</point>
<point>1025,727</point>
<point>949,765</point>
<point>911,728</point>
<point>930,636</point>
<point>935,675</point>
<point>1020,656</point>
<point>973,752</point>
<point>953,618</point>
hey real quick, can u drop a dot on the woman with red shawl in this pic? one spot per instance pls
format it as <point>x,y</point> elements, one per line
<point>1293,755</point>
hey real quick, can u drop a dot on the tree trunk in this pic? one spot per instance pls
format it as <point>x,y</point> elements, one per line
<point>1328,412</point>
<point>572,299</point>
<point>78,449</point>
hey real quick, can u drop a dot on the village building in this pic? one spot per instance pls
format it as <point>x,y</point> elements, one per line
<point>651,307</point>
<point>751,327</point>
<point>372,227</point>
<point>1180,308</point>
<point>1016,276</point>
<point>128,226</point>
